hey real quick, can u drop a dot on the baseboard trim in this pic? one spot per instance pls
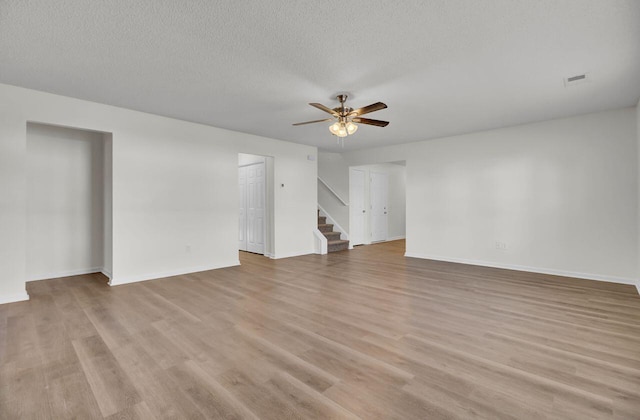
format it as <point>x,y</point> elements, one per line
<point>106,273</point>
<point>293,254</point>
<point>69,273</point>
<point>155,276</point>
<point>396,238</point>
<point>638,287</point>
<point>15,297</point>
<point>553,272</point>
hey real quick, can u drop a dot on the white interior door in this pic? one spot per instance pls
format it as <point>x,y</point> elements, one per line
<point>242,202</point>
<point>255,207</point>
<point>379,192</point>
<point>357,207</point>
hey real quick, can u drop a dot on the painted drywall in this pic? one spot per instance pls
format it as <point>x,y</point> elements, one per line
<point>13,203</point>
<point>561,194</point>
<point>65,202</point>
<point>638,172</point>
<point>334,170</point>
<point>337,210</point>
<point>271,187</point>
<point>333,174</point>
<point>248,159</point>
<point>107,267</point>
<point>397,201</point>
<point>174,188</point>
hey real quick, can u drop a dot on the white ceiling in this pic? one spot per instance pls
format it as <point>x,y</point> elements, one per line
<point>443,67</point>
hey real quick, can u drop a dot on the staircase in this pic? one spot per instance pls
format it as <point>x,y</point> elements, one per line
<point>334,243</point>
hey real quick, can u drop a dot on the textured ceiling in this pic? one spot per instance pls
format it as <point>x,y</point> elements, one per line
<point>443,67</point>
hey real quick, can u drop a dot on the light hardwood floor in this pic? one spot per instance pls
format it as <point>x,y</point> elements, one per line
<point>363,334</point>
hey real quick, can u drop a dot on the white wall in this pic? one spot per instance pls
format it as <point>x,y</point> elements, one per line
<point>638,169</point>
<point>561,194</point>
<point>107,267</point>
<point>65,202</point>
<point>174,188</point>
<point>397,201</point>
<point>248,159</point>
<point>13,203</point>
<point>333,170</point>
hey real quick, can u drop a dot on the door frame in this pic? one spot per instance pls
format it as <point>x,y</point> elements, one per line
<point>392,212</point>
<point>270,199</point>
<point>266,201</point>
<point>364,240</point>
<point>385,175</point>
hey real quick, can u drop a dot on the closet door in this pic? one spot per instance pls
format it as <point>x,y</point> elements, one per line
<point>251,215</point>
<point>255,207</point>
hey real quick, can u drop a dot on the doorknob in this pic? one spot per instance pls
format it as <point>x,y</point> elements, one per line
<point>363,211</point>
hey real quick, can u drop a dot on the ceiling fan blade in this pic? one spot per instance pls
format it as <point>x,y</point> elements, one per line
<point>369,121</point>
<point>369,108</point>
<point>325,109</point>
<point>311,122</point>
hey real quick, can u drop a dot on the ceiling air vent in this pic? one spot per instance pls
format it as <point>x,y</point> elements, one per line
<point>576,80</point>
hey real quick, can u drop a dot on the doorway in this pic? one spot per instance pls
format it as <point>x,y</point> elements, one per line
<point>255,204</point>
<point>69,196</point>
<point>379,193</point>
<point>377,197</point>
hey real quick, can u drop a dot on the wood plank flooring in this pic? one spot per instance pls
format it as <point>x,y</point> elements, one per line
<point>363,334</point>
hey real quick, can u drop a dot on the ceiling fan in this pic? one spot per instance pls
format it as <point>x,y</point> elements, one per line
<point>345,118</point>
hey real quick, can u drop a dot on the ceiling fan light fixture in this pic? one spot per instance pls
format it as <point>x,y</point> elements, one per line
<point>351,127</point>
<point>335,128</point>
<point>343,117</point>
<point>339,129</point>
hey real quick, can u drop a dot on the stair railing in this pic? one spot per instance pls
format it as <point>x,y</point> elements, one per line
<point>344,203</point>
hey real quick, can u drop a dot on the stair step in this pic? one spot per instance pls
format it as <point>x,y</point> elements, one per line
<point>337,245</point>
<point>325,227</point>
<point>332,236</point>
<point>322,220</point>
